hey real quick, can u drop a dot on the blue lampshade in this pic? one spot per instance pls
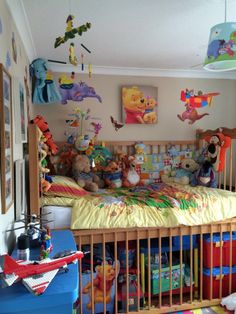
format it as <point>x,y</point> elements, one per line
<point>221,51</point>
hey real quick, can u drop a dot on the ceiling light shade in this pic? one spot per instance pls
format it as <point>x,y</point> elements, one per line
<point>221,51</point>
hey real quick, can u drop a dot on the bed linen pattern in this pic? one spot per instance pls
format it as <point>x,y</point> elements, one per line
<point>155,205</point>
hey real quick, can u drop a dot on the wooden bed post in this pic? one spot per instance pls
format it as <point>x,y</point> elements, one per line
<point>34,174</point>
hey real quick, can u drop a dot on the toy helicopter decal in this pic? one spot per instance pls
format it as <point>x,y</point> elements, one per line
<point>35,275</point>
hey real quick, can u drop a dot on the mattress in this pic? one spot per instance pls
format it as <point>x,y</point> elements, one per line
<point>59,216</point>
<point>156,205</point>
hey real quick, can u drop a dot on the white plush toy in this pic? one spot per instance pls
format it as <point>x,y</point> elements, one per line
<point>230,302</point>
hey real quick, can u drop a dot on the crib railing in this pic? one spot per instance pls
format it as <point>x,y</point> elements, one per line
<point>196,266</point>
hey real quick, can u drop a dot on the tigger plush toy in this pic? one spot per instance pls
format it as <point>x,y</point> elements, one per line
<point>216,150</point>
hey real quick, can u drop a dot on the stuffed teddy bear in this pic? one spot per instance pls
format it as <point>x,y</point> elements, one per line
<point>112,175</point>
<point>183,174</point>
<point>82,174</point>
<point>204,176</point>
<point>98,284</point>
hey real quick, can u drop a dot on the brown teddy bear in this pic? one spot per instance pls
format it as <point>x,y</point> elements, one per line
<point>98,284</point>
<point>112,175</point>
<point>83,176</point>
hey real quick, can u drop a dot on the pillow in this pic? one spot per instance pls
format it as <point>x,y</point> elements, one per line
<point>66,187</point>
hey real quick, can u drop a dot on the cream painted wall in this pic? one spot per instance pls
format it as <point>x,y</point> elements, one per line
<point>16,71</point>
<point>169,127</point>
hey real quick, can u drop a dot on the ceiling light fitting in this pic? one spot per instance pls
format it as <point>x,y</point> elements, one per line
<point>221,51</point>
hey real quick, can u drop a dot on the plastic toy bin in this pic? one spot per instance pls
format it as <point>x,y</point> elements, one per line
<point>216,282</point>
<point>216,244</point>
<point>165,278</point>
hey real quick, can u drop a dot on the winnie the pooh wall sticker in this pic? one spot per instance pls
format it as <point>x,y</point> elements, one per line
<point>139,104</point>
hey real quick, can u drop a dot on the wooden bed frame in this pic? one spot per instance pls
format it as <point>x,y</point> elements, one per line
<point>189,298</point>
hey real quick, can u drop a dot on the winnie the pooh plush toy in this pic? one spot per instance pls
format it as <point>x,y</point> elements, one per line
<point>134,104</point>
<point>98,284</point>
<point>82,174</point>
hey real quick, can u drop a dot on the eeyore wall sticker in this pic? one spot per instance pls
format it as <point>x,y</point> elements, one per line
<point>70,90</point>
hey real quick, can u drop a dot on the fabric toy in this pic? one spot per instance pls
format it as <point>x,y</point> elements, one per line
<point>217,146</point>
<point>71,31</point>
<point>109,271</point>
<point>45,90</point>
<point>229,302</point>
<point>140,152</point>
<point>183,174</point>
<point>82,174</point>
<point>75,91</point>
<point>130,177</point>
<point>204,176</point>
<point>112,175</point>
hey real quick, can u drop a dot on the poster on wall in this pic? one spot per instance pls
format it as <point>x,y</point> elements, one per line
<point>20,112</point>
<point>139,104</point>
<point>6,162</point>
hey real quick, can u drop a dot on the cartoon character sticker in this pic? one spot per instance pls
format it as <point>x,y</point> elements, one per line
<point>139,104</point>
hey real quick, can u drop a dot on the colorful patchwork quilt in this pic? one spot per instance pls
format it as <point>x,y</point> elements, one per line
<point>154,205</point>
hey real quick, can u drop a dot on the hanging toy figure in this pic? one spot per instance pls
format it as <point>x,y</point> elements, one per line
<point>71,31</point>
<point>90,70</point>
<point>82,62</point>
<point>72,57</point>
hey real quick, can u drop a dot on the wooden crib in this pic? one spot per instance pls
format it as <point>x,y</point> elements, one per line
<point>145,241</point>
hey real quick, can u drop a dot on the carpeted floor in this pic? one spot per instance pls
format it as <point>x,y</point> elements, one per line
<point>208,310</point>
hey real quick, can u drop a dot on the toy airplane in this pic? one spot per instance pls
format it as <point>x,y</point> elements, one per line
<point>35,275</point>
<point>197,101</point>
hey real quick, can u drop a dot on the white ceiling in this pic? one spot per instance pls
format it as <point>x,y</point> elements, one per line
<point>156,34</point>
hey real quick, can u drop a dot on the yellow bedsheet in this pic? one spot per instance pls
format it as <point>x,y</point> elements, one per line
<point>153,206</point>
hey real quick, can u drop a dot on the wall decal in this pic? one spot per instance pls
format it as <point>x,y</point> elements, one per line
<point>139,104</point>
<point>1,28</point>
<point>8,60</point>
<point>193,101</point>
<point>117,125</point>
<point>75,91</point>
<point>14,48</point>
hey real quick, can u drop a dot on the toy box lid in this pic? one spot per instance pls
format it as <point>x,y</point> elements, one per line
<point>216,271</point>
<point>216,237</point>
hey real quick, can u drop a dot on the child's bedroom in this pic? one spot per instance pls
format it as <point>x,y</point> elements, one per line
<point>118,156</point>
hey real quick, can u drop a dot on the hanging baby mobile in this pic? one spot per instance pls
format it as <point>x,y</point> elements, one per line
<point>82,129</point>
<point>193,101</point>
<point>75,91</point>
<point>70,33</point>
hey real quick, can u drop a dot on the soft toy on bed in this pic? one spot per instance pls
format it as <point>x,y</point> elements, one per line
<point>130,177</point>
<point>183,174</point>
<point>82,174</point>
<point>204,176</point>
<point>112,175</point>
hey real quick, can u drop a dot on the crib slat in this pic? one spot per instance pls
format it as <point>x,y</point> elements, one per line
<point>127,270</point>
<point>104,278</point>
<point>191,265</point>
<point>230,259</point>
<point>181,265</point>
<point>201,264</point>
<point>160,249</point>
<point>170,246</point>
<point>211,261</point>
<point>230,167</point>
<point>116,272</point>
<point>80,279</point>
<point>91,272</point>
<point>138,271</point>
<point>149,271</point>
<point>221,244</point>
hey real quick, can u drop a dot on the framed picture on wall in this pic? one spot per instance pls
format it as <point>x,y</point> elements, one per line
<point>139,104</point>
<point>20,194</point>
<point>20,112</point>
<point>6,158</point>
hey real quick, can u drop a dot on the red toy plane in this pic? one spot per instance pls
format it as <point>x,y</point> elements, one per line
<point>35,275</point>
